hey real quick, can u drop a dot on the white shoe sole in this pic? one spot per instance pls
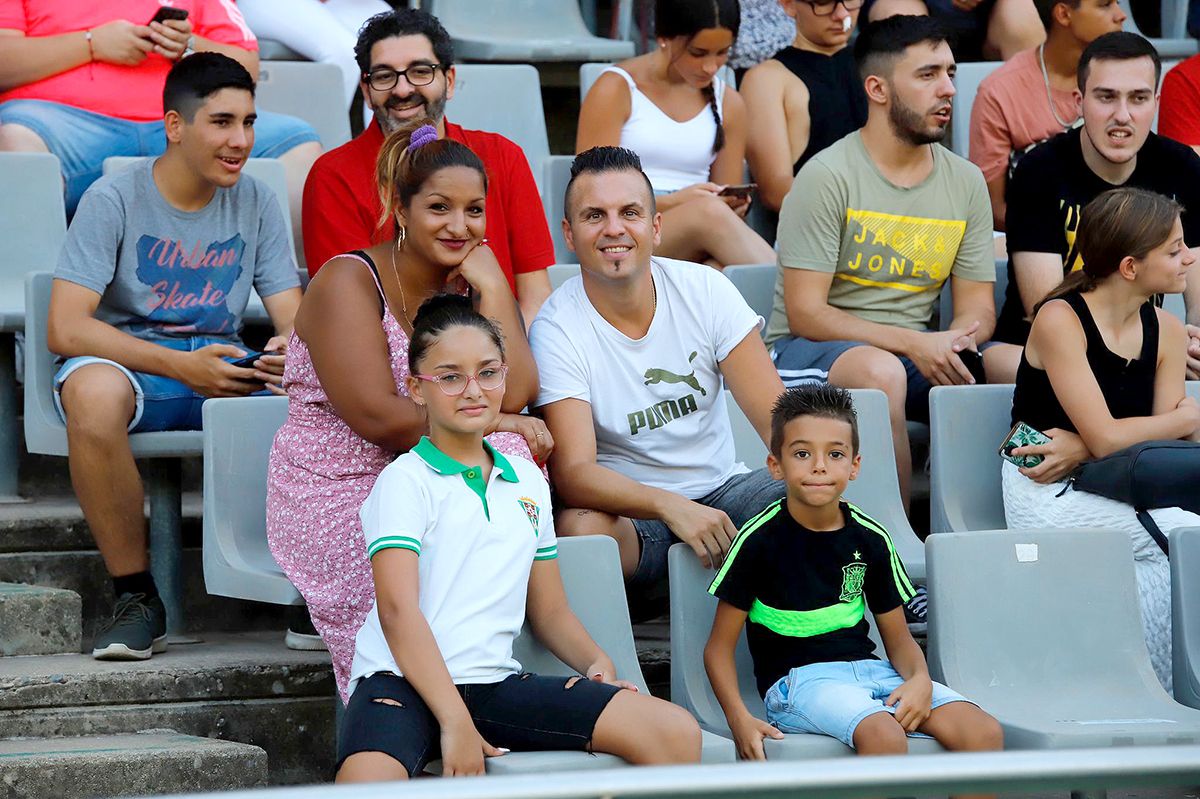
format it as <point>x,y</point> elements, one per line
<point>304,642</point>
<point>119,651</point>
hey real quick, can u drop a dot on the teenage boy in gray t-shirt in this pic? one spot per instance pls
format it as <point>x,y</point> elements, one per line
<point>146,307</point>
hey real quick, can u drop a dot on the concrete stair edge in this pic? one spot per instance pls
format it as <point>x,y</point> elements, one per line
<point>38,620</point>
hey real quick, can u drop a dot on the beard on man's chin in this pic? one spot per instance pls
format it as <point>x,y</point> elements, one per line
<point>434,110</point>
<point>909,126</point>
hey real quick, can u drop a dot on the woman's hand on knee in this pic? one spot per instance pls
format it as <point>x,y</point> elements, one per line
<point>464,750</point>
<point>604,671</point>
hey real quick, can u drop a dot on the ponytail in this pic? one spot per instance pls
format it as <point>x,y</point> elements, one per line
<point>710,94</point>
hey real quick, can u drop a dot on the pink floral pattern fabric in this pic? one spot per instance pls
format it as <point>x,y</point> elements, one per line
<point>319,475</point>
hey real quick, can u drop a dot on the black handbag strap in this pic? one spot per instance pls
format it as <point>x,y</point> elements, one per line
<point>1155,533</point>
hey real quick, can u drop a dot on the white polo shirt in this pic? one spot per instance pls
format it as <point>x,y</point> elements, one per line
<point>475,543</point>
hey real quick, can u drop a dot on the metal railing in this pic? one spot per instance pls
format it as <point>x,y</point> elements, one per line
<point>1084,772</point>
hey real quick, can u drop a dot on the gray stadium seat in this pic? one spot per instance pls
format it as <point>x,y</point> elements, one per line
<point>1042,629</point>
<point>45,434</point>
<point>556,174</point>
<point>692,611</point>
<point>311,91</point>
<point>33,225</point>
<point>946,300</point>
<point>877,489</point>
<point>967,425</point>
<point>523,31</point>
<point>272,50</point>
<point>1185,614</point>
<point>756,282</point>
<point>238,433</point>
<point>966,82</point>
<point>589,72</point>
<point>269,171</point>
<point>1181,45</point>
<point>504,99</point>
<point>591,573</point>
<point>561,273</point>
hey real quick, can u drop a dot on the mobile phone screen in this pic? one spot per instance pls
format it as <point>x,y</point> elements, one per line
<point>165,13</point>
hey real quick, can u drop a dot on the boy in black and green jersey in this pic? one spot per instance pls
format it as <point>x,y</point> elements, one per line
<point>803,572</point>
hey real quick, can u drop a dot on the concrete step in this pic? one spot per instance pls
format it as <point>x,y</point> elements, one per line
<point>126,765</point>
<point>38,621</point>
<point>55,524</point>
<point>245,687</point>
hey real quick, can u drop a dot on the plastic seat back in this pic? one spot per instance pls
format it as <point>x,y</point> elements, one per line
<point>757,284</point>
<point>33,226</point>
<point>311,91</point>
<point>504,99</point>
<point>966,83</point>
<point>1042,628</point>
<point>967,424</point>
<point>556,174</point>
<point>523,31</point>
<point>561,273</point>
<point>238,433</point>
<point>1185,614</point>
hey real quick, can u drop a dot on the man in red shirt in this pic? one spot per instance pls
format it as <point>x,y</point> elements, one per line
<point>407,61</point>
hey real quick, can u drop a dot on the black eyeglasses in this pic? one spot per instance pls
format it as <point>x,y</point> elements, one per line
<point>824,9</point>
<point>384,78</point>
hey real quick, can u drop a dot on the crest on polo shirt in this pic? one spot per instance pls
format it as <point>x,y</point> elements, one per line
<point>853,575</point>
<point>532,511</point>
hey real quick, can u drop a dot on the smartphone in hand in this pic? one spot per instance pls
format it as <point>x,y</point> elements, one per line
<point>1023,435</point>
<point>740,190</point>
<point>165,13</point>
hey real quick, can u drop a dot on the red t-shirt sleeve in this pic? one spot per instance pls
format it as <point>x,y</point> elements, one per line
<point>529,240</point>
<point>222,22</point>
<point>12,16</point>
<point>332,220</point>
<point>1179,111</point>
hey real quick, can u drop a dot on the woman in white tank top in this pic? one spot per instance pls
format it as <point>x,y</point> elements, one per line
<point>689,129</point>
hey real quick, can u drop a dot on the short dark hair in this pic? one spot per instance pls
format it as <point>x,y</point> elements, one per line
<point>1045,9</point>
<point>403,22</point>
<point>197,77</point>
<point>823,400</point>
<point>441,312</point>
<point>880,43</point>
<point>605,159</point>
<point>1117,46</point>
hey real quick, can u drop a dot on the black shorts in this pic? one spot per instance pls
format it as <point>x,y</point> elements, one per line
<point>523,712</point>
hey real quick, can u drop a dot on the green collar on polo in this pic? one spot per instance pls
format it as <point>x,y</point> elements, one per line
<point>443,464</point>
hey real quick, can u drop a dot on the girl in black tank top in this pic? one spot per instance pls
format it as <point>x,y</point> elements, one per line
<point>1132,246</point>
<point>1087,381</point>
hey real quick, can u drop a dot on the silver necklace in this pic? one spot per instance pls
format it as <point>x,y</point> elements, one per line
<point>1049,96</point>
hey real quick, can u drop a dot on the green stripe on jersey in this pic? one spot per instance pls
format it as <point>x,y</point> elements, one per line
<point>899,575</point>
<point>546,553</point>
<point>393,542</point>
<point>807,623</point>
<point>749,527</point>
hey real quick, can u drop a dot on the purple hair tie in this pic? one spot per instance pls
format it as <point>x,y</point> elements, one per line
<point>422,136</point>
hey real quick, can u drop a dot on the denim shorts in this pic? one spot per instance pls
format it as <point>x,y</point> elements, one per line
<point>741,497</point>
<point>83,139</point>
<point>833,698</point>
<point>523,712</point>
<point>160,403</point>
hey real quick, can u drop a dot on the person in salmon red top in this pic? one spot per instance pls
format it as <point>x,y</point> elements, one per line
<point>147,302</point>
<point>407,63</point>
<point>85,81</point>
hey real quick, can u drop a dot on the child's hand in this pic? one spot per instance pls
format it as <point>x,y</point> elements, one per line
<point>748,735</point>
<point>911,701</point>
<point>463,750</point>
<point>604,671</point>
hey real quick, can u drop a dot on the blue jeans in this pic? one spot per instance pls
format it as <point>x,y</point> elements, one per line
<point>160,403</point>
<point>83,139</point>
<point>833,698</point>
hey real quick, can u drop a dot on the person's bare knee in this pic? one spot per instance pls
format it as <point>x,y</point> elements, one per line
<point>99,401</point>
<point>871,367</point>
<point>1000,362</point>
<point>880,734</point>
<point>963,727</point>
<point>20,139</point>
<point>371,767</point>
<point>647,730</point>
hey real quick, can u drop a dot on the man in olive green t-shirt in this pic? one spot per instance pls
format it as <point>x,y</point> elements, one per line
<point>872,228</point>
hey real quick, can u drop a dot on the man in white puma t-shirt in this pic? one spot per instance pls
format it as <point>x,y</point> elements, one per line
<point>632,357</point>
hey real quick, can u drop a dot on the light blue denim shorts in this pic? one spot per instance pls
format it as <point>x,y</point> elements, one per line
<point>833,698</point>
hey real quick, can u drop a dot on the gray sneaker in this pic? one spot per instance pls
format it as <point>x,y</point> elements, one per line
<point>137,630</point>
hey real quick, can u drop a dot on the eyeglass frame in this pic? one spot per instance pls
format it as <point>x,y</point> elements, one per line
<point>403,73</point>
<point>438,379</point>
<point>846,4</point>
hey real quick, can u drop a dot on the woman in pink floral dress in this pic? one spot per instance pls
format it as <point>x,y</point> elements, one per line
<point>349,413</point>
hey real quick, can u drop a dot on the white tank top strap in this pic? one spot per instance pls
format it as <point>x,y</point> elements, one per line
<point>628,78</point>
<point>719,94</point>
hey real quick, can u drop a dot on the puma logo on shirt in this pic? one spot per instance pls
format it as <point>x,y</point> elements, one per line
<point>656,376</point>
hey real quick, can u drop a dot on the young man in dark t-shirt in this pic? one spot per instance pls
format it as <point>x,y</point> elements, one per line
<point>1118,79</point>
<point>803,573</point>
